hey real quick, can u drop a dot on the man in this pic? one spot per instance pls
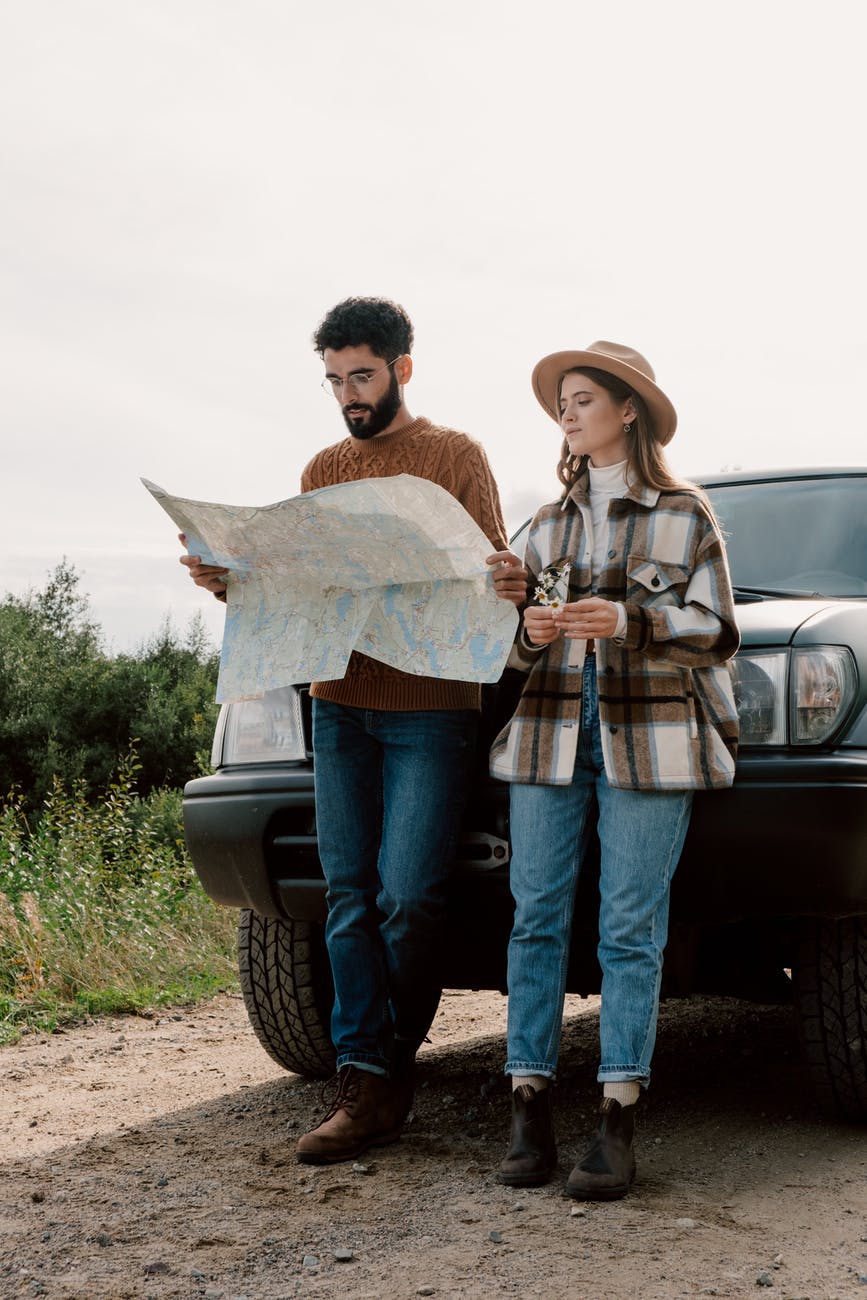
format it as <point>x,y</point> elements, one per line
<point>392,751</point>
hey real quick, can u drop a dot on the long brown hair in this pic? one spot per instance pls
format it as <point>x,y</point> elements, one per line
<point>646,464</point>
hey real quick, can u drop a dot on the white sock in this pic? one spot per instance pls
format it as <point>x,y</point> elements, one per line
<point>627,1093</point>
<point>537,1081</point>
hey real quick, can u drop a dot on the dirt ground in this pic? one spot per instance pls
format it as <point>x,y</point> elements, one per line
<point>154,1158</point>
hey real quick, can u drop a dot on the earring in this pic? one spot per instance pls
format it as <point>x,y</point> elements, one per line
<point>627,429</point>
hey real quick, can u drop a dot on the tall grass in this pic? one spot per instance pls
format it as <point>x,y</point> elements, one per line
<point>101,911</point>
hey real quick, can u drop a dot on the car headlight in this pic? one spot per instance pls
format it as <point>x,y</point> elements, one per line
<point>760,692</point>
<point>796,697</point>
<point>266,730</point>
<point>824,681</point>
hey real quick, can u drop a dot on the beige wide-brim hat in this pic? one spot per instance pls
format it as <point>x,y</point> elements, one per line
<point>627,364</point>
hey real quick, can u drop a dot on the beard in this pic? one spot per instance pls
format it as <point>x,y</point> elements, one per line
<point>379,414</point>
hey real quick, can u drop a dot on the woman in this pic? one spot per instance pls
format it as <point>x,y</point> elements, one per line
<point>628,698</point>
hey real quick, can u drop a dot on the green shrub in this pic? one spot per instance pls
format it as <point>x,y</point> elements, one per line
<point>69,710</point>
<point>100,909</point>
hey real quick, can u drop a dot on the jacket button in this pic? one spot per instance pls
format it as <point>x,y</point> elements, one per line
<point>611,554</point>
<point>613,730</point>
<point>654,582</point>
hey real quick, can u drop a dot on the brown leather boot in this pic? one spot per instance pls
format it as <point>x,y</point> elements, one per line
<point>366,1112</point>
<point>607,1168</point>
<point>532,1154</point>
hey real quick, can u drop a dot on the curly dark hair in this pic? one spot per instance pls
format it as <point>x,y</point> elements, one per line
<point>380,324</point>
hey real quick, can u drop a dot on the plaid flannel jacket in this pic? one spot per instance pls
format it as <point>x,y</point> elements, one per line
<point>666,705</point>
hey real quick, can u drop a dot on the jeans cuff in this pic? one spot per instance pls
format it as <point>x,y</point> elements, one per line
<point>530,1067</point>
<point>373,1064</point>
<point>623,1074</point>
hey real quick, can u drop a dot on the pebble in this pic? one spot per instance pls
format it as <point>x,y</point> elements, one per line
<point>360,1169</point>
<point>764,1279</point>
<point>158,1266</point>
<point>197,1275</point>
<point>578,1212</point>
<point>213,1293</point>
<point>426,1290</point>
<point>684,1223</point>
<point>343,1256</point>
<point>103,1239</point>
<point>310,1261</point>
<point>495,1236</point>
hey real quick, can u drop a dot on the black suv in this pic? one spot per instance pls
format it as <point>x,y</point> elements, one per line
<point>769,901</point>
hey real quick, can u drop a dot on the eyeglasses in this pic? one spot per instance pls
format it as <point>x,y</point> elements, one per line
<point>358,380</point>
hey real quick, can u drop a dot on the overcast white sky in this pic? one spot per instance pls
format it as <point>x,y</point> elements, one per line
<point>188,185</point>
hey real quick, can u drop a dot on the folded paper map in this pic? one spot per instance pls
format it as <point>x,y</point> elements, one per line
<point>392,567</point>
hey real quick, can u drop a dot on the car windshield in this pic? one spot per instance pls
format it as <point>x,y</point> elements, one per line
<point>797,536</point>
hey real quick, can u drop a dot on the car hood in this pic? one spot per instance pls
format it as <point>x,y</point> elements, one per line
<point>776,622</point>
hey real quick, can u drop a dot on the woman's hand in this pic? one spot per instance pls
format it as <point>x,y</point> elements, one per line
<point>586,620</point>
<point>209,576</point>
<point>539,624</point>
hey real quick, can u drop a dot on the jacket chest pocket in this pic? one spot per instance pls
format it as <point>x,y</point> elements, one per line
<point>651,582</point>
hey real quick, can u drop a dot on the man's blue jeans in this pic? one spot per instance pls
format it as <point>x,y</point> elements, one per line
<point>390,792</point>
<point>641,833</point>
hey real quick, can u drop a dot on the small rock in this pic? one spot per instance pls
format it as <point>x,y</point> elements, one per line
<point>426,1290</point>
<point>343,1256</point>
<point>519,1205</point>
<point>360,1169</point>
<point>578,1212</point>
<point>38,1197</point>
<point>684,1223</point>
<point>213,1293</point>
<point>310,1261</point>
<point>103,1239</point>
<point>197,1275</point>
<point>495,1236</point>
<point>158,1266</point>
<point>162,1182</point>
<point>764,1279</point>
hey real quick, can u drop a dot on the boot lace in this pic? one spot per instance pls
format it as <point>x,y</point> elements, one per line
<point>341,1091</point>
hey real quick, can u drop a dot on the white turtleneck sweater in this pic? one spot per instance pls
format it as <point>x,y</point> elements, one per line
<point>606,483</point>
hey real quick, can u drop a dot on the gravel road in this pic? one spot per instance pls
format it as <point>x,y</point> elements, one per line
<point>154,1158</point>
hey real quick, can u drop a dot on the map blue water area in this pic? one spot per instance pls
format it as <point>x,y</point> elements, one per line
<point>343,604</point>
<point>460,632</point>
<point>486,655</point>
<point>431,651</point>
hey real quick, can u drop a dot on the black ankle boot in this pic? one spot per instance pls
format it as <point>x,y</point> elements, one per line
<point>532,1154</point>
<point>607,1168</point>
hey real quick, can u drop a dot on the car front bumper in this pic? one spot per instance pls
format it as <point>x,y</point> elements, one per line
<point>789,839</point>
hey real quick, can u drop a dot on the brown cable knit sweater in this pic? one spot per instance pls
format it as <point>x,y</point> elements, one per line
<point>454,461</point>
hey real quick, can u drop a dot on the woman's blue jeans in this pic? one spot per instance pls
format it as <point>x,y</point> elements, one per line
<point>641,833</point>
<point>390,792</point>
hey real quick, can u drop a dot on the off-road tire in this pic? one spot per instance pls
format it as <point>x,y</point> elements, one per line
<point>288,991</point>
<point>830,982</point>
